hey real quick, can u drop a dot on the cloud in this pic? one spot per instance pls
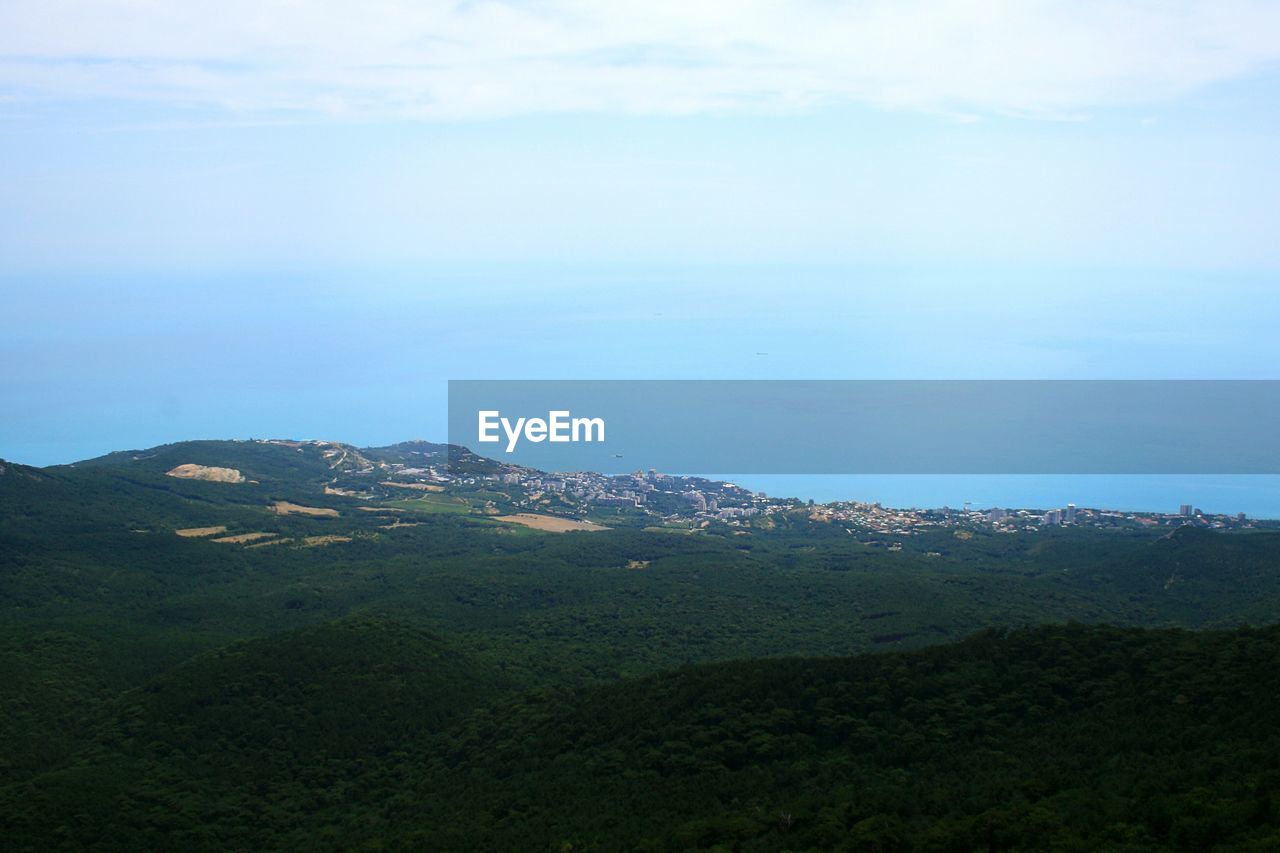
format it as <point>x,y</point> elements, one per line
<point>483,59</point>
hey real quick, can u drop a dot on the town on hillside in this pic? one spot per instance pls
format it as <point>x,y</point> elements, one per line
<point>651,497</point>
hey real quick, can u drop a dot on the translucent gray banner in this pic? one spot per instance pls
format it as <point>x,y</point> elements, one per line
<point>873,427</point>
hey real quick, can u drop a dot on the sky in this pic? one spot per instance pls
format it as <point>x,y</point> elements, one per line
<point>270,218</point>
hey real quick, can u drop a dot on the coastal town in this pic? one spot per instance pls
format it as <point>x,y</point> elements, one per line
<point>653,498</point>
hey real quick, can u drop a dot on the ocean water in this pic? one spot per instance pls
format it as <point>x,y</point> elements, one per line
<point>94,361</point>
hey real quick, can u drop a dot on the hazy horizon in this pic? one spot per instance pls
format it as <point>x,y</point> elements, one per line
<point>278,220</point>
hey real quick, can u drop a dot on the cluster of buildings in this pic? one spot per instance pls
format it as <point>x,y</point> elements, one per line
<point>675,499</point>
<point>1074,516</point>
<point>874,518</point>
<point>648,495</point>
<point>667,497</point>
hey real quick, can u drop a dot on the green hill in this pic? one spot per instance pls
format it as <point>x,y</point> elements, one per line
<point>241,744</point>
<point>1056,738</point>
<point>301,655</point>
<point>1060,738</point>
<point>277,460</point>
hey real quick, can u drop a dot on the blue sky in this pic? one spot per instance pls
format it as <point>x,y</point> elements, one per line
<point>300,219</point>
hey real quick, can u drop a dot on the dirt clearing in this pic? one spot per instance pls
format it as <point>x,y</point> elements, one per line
<point>312,541</point>
<point>550,523</point>
<point>206,472</point>
<point>191,532</point>
<point>286,508</point>
<point>244,537</point>
<point>268,542</point>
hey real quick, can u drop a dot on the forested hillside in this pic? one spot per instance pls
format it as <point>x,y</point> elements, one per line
<point>265,660</point>
<point>371,734</point>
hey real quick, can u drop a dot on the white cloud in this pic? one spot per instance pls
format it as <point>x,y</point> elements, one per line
<point>395,58</point>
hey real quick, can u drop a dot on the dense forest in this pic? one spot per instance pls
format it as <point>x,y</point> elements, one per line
<point>400,674</point>
<point>368,733</point>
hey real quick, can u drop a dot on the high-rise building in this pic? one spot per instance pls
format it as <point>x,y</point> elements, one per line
<point>1185,510</point>
<point>1071,514</point>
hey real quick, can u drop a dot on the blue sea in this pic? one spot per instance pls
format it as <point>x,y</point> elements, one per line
<point>95,361</point>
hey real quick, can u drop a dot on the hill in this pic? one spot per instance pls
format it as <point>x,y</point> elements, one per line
<point>14,470</point>
<point>113,572</point>
<point>243,743</point>
<point>1068,738</point>
<point>249,648</point>
<point>266,459</point>
<point>1064,738</point>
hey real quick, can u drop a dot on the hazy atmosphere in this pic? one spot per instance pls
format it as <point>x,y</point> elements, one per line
<point>301,549</point>
<point>240,220</point>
